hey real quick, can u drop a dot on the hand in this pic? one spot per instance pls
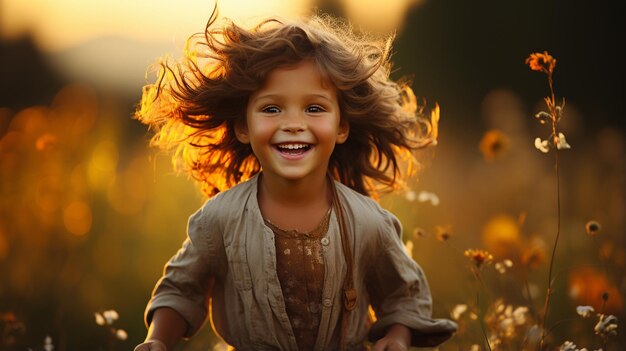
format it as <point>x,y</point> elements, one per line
<point>397,338</point>
<point>389,344</point>
<point>151,345</point>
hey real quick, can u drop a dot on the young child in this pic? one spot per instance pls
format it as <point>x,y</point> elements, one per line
<point>290,126</point>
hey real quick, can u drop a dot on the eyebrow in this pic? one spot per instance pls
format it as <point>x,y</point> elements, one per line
<point>269,96</point>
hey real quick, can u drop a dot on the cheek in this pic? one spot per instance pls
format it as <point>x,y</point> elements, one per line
<point>260,130</point>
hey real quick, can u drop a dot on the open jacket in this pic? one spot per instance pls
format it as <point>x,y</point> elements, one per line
<point>228,240</point>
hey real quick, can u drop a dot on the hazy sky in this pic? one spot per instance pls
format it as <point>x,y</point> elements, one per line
<point>61,24</point>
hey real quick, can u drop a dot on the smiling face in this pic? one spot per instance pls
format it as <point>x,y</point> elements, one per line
<point>293,122</point>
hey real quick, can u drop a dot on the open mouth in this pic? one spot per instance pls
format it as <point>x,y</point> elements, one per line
<point>293,148</point>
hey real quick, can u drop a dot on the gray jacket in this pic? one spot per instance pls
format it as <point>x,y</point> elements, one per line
<point>227,239</point>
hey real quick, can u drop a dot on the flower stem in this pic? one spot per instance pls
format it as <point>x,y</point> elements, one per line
<point>546,306</point>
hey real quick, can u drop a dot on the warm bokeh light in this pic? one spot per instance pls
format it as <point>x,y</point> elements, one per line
<point>62,24</point>
<point>103,163</point>
<point>77,217</point>
<point>382,16</point>
<point>89,213</point>
<point>587,286</point>
<point>501,235</point>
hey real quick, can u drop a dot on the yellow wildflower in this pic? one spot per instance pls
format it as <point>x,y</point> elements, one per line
<point>479,257</point>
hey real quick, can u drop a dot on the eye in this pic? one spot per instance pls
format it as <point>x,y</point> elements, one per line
<point>315,109</point>
<point>270,109</point>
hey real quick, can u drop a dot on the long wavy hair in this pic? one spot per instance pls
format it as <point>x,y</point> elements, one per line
<point>195,103</point>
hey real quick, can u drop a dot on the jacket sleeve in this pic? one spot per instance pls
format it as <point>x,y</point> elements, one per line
<point>185,283</point>
<point>399,291</point>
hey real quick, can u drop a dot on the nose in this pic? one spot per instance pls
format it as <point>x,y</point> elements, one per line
<point>293,122</point>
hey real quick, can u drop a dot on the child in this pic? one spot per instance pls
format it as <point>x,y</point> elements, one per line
<point>288,126</point>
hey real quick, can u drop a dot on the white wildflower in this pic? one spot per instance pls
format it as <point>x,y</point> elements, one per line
<point>543,117</point>
<point>410,195</point>
<point>457,311</point>
<point>500,267</point>
<point>425,196</point>
<point>568,346</point>
<point>542,145</point>
<point>99,319</point>
<point>607,326</point>
<point>47,343</point>
<point>110,316</point>
<point>121,334</point>
<point>519,315</point>
<point>585,311</point>
<point>562,143</point>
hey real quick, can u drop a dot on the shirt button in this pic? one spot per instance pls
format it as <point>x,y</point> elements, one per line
<point>327,303</point>
<point>325,241</point>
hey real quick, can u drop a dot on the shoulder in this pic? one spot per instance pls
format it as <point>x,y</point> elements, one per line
<point>226,204</point>
<point>367,213</point>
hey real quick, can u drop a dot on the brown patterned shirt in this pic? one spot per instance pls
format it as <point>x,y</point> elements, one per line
<point>300,270</point>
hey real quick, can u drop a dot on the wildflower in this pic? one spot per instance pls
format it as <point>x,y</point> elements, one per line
<point>458,311</point>
<point>99,319</point>
<point>478,257</point>
<point>47,343</point>
<point>110,316</point>
<point>584,311</point>
<point>418,233</point>
<point>493,144</point>
<point>519,315</point>
<point>561,143</point>
<point>121,334</point>
<point>607,326</point>
<point>588,286</point>
<point>408,247</point>
<point>443,233</point>
<point>502,266</point>
<point>542,145</point>
<point>543,117</point>
<point>592,228</point>
<point>474,347</point>
<point>541,62</point>
<point>569,346</point>
<point>410,195</point>
<point>425,196</point>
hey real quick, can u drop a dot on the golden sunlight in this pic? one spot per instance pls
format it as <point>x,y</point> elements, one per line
<point>58,25</point>
<point>377,15</point>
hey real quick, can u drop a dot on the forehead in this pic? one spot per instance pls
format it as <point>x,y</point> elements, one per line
<point>306,75</point>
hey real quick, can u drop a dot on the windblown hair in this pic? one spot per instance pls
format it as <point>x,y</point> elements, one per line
<point>195,103</point>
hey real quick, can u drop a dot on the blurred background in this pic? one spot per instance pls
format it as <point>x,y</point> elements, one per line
<point>89,213</point>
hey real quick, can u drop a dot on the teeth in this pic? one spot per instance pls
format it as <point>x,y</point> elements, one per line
<point>292,146</point>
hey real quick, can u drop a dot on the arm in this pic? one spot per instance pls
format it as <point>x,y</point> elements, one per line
<point>166,329</point>
<point>399,292</point>
<point>178,306</point>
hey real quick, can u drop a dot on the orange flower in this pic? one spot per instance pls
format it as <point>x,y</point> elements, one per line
<point>493,144</point>
<point>479,257</point>
<point>588,286</point>
<point>541,62</point>
<point>443,233</point>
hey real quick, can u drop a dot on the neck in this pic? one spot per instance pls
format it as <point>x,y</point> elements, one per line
<point>295,193</point>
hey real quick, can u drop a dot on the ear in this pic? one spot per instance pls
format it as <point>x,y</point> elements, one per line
<point>241,132</point>
<point>343,131</point>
